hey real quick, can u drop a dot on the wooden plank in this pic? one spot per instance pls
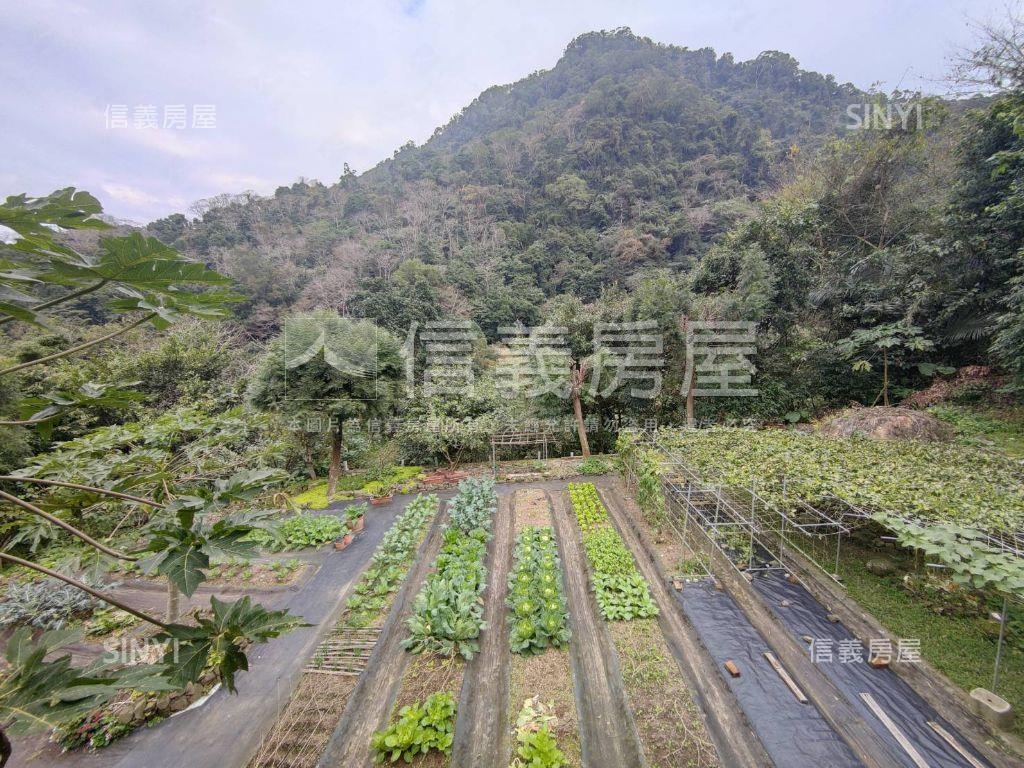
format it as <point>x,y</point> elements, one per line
<point>894,730</point>
<point>781,670</point>
<point>949,739</point>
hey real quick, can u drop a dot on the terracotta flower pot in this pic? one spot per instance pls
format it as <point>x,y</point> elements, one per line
<point>344,541</point>
<point>378,500</point>
<point>358,524</point>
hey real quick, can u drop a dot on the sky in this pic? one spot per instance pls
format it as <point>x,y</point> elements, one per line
<point>153,105</point>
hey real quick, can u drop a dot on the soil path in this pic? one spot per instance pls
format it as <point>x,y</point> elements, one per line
<point>607,729</point>
<point>737,744</point>
<point>370,704</point>
<point>481,732</point>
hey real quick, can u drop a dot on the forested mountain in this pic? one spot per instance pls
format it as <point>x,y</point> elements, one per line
<point>626,156</point>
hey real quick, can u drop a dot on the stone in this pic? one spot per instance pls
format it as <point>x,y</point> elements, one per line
<point>786,603</point>
<point>995,709</point>
<point>880,566</point>
<point>879,662</point>
<point>833,618</point>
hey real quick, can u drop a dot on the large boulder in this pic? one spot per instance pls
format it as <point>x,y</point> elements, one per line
<point>885,423</point>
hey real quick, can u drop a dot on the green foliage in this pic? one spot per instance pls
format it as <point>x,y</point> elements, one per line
<point>592,466</point>
<point>448,611</point>
<point>37,694</point>
<point>193,529</point>
<point>474,505</point>
<point>138,458</point>
<point>390,562</point>
<point>606,552</point>
<point>419,728</point>
<point>355,511</point>
<point>589,510</point>
<point>536,597</point>
<point>221,638</point>
<point>535,744</point>
<point>299,532</point>
<point>620,589</point>
<point>44,604</point>
<point>972,559</point>
<point>623,597</point>
<point>642,464</point>
<point>932,482</point>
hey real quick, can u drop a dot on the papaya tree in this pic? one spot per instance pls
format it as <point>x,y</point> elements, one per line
<point>141,282</point>
<point>895,344</point>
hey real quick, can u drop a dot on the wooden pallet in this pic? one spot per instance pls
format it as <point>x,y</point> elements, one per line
<point>345,652</point>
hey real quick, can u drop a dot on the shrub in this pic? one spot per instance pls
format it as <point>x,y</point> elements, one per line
<point>419,729</point>
<point>592,466</point>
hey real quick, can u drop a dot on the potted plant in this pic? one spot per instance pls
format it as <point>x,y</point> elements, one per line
<point>355,517</point>
<point>344,541</point>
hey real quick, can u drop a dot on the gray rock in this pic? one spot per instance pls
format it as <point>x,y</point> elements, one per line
<point>880,566</point>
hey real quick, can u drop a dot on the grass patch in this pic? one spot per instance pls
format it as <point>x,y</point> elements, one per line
<point>962,648</point>
<point>400,479</point>
<point>1000,430</point>
<point>671,727</point>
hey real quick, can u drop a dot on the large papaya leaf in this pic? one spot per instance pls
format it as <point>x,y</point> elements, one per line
<point>224,634</point>
<point>141,262</point>
<point>36,694</point>
<point>29,224</point>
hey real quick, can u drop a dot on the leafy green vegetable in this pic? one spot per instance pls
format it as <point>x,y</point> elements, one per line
<point>620,589</point>
<point>418,729</point>
<point>448,612</point>
<point>390,562</point>
<point>299,532</point>
<point>536,595</point>
<point>535,744</point>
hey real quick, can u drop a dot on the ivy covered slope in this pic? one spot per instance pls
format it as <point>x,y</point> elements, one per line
<point>927,481</point>
<point>620,589</point>
<point>448,612</point>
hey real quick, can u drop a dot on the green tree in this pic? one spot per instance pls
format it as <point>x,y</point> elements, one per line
<point>327,364</point>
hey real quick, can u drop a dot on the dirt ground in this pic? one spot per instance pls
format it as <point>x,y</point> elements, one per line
<point>301,733</point>
<point>670,724</point>
<point>532,508</point>
<point>549,676</point>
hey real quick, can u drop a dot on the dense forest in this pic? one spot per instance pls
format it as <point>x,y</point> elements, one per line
<point>632,181</point>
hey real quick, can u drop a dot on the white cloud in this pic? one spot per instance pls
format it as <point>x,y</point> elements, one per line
<point>129,195</point>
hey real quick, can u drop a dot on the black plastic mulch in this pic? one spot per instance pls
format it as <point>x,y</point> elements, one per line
<point>793,734</point>
<point>805,616</point>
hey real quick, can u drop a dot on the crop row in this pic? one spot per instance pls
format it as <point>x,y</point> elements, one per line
<point>620,589</point>
<point>390,562</point>
<point>535,593</point>
<point>448,612</point>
